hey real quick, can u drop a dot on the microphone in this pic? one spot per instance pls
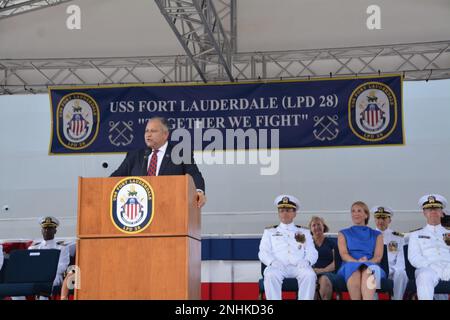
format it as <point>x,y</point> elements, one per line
<point>147,152</point>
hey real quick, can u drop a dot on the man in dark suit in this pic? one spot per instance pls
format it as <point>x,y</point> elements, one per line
<point>156,159</point>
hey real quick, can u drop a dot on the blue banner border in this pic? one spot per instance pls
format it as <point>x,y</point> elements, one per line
<point>218,83</point>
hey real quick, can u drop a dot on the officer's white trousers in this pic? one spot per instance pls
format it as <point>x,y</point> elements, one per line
<point>400,280</point>
<point>426,280</point>
<point>273,279</point>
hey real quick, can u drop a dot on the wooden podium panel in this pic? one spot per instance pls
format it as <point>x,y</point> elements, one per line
<point>175,211</point>
<point>139,268</point>
<point>161,261</point>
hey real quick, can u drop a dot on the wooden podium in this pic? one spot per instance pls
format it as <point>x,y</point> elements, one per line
<point>163,261</point>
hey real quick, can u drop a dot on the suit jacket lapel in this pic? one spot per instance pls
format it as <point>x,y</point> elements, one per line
<point>142,164</point>
<point>165,161</point>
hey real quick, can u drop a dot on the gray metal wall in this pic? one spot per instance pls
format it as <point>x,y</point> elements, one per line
<point>240,200</point>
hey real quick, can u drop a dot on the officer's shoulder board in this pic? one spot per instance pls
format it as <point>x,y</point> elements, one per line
<point>299,226</point>
<point>398,234</point>
<point>272,227</point>
<point>417,229</point>
<point>34,244</point>
<point>60,243</point>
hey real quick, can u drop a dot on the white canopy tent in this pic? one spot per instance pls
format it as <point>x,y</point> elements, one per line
<point>173,40</point>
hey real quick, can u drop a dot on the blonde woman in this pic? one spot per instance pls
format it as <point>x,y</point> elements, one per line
<point>361,249</point>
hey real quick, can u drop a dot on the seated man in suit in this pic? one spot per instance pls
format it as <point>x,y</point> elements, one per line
<point>288,251</point>
<point>156,159</point>
<point>395,242</point>
<point>429,250</point>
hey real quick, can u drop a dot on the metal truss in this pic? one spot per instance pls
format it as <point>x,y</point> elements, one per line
<point>198,27</point>
<point>9,8</point>
<point>420,61</point>
<point>417,61</point>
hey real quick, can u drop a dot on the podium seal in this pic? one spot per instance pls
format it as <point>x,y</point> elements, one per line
<point>132,205</point>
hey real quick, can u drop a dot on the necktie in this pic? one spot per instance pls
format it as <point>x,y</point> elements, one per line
<point>153,164</point>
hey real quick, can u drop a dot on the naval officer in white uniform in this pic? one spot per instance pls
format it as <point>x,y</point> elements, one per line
<point>429,248</point>
<point>49,225</point>
<point>48,230</point>
<point>288,251</point>
<point>395,242</point>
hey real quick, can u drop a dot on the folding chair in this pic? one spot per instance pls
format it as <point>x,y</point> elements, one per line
<point>30,272</point>
<point>443,287</point>
<point>289,284</point>
<point>2,270</point>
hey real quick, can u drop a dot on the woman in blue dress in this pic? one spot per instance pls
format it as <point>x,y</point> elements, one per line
<point>361,249</point>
